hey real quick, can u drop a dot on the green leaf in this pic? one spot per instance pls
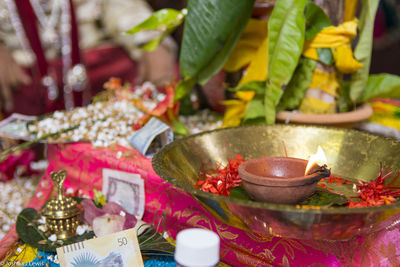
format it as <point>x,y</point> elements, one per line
<point>27,230</point>
<point>363,49</point>
<point>271,99</point>
<point>160,20</point>
<point>316,20</point>
<point>343,189</point>
<point>180,128</point>
<point>381,86</point>
<point>239,193</point>
<point>255,111</point>
<point>210,33</point>
<point>323,197</point>
<point>325,56</point>
<point>183,88</point>
<point>255,121</point>
<point>286,29</point>
<point>297,87</point>
<point>165,21</point>
<point>344,101</point>
<point>257,87</point>
<point>153,44</point>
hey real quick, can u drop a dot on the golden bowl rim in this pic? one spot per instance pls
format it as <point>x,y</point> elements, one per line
<point>157,162</point>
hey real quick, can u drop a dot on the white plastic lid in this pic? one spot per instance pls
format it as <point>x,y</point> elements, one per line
<point>197,247</point>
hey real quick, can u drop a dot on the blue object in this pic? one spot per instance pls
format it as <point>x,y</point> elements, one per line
<point>49,257</point>
<point>160,261</point>
<point>44,258</point>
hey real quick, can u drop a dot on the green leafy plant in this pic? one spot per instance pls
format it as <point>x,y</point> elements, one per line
<point>213,27</point>
<point>286,30</point>
<point>363,49</point>
<point>298,85</point>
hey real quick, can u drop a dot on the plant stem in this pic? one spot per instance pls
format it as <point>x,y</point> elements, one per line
<point>28,144</point>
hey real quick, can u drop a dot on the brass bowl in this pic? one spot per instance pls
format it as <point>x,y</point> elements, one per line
<point>279,179</point>
<point>350,153</point>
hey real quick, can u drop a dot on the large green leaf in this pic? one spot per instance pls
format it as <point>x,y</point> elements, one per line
<point>165,21</point>
<point>316,20</point>
<point>363,49</point>
<point>286,29</point>
<point>211,31</point>
<point>381,86</point>
<point>297,87</point>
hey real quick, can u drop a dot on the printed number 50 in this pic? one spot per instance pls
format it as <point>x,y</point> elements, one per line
<point>123,241</point>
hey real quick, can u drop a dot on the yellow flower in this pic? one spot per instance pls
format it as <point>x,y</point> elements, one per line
<point>339,38</point>
<point>334,36</point>
<point>311,105</point>
<point>248,45</point>
<point>327,82</point>
<point>99,197</point>
<point>236,108</point>
<point>22,254</point>
<point>344,60</point>
<point>258,68</point>
<point>350,7</point>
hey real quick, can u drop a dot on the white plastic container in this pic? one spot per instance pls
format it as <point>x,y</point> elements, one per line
<point>197,247</point>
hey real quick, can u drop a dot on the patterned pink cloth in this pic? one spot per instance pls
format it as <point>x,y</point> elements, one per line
<point>84,165</point>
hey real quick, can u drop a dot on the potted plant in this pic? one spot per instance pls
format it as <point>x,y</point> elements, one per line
<point>300,59</point>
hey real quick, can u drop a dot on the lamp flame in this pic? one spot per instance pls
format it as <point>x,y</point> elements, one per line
<point>318,158</point>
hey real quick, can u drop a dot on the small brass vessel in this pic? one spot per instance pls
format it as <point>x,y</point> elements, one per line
<point>62,213</point>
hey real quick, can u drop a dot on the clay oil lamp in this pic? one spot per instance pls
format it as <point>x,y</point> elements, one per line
<point>283,180</point>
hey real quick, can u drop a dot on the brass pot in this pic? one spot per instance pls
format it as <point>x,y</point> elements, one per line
<point>62,213</point>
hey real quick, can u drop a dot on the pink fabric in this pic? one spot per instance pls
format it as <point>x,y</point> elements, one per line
<point>238,248</point>
<point>14,161</point>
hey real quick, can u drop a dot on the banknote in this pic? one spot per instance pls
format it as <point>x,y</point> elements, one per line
<point>151,137</point>
<point>15,126</point>
<point>118,249</point>
<point>126,189</point>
